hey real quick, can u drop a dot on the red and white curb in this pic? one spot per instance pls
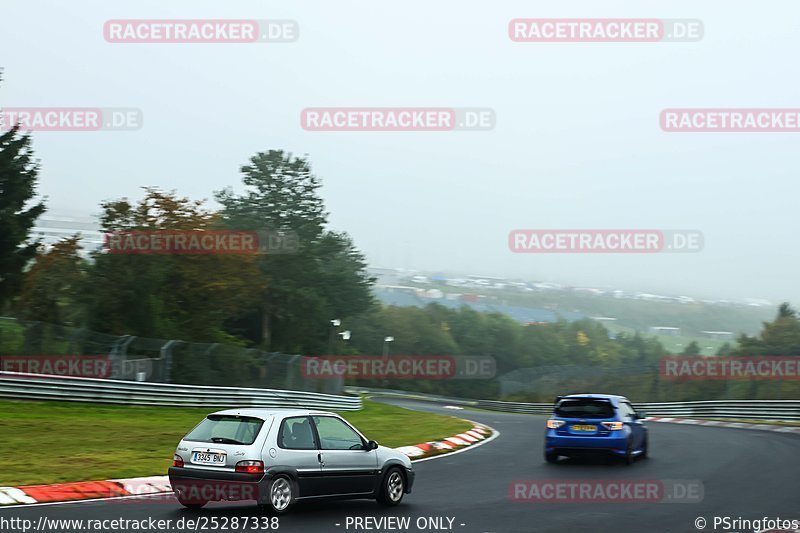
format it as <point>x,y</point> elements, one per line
<point>478,433</point>
<point>717,423</point>
<point>152,485</point>
<point>84,490</point>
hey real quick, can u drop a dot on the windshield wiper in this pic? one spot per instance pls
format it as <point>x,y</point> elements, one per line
<point>225,440</point>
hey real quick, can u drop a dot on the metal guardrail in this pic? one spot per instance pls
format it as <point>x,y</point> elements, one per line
<point>44,387</point>
<point>784,410</point>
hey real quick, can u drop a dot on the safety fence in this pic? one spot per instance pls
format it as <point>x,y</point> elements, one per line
<point>26,346</point>
<point>43,387</point>
<point>783,410</point>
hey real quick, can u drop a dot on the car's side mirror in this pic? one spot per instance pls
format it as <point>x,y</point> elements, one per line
<point>371,445</point>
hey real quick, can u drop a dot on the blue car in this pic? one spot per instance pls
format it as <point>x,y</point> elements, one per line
<point>595,423</point>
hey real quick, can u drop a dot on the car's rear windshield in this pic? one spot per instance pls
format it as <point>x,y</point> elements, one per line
<point>584,408</point>
<point>226,429</point>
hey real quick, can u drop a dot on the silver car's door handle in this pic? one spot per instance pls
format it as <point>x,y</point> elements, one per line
<point>319,458</point>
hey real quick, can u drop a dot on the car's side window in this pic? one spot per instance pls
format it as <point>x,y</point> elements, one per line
<point>336,435</point>
<point>629,412</point>
<point>296,434</point>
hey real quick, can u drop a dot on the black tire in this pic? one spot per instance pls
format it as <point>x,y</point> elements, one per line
<point>551,457</point>
<point>279,498</point>
<point>194,505</point>
<point>393,488</point>
<point>629,457</point>
<point>643,455</point>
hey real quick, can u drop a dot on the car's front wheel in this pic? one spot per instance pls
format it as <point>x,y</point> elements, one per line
<point>279,496</point>
<point>392,487</point>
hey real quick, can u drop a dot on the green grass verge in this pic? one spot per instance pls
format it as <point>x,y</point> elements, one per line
<point>51,442</point>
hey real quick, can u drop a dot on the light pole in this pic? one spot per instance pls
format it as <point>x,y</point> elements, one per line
<point>345,335</point>
<point>335,323</point>
<point>386,341</point>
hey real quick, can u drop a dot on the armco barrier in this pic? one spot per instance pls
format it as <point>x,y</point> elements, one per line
<point>43,387</point>
<point>785,410</point>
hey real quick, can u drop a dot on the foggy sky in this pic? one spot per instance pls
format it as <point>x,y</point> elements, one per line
<point>577,142</point>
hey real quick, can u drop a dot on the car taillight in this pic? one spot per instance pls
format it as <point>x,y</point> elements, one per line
<point>177,460</point>
<point>613,426</point>
<point>250,467</point>
<point>555,424</point>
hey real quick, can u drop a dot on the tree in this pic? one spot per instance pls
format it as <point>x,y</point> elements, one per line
<point>725,350</point>
<point>51,287</point>
<point>779,337</point>
<point>18,180</point>
<point>324,278</point>
<point>192,297</point>
<point>786,311</point>
<point>691,349</point>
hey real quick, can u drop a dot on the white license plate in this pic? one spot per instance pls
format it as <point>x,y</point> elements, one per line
<point>206,458</point>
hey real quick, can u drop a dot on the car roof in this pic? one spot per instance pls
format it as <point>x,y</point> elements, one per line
<point>263,412</point>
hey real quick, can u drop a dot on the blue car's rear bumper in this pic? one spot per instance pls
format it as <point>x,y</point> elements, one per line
<point>566,444</point>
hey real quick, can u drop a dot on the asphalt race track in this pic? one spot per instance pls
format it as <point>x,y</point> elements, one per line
<point>745,473</point>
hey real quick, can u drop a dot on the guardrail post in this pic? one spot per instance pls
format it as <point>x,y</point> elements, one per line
<point>166,359</point>
<point>118,351</point>
<point>290,372</point>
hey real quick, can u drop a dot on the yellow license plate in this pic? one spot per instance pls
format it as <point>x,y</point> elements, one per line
<point>579,427</point>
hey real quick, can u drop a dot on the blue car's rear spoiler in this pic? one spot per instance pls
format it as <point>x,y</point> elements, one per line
<point>559,398</point>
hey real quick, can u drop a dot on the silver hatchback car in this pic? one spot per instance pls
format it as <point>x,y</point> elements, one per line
<point>276,457</point>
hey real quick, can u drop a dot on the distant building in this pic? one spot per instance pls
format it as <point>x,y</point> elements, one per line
<point>719,335</point>
<point>51,228</point>
<point>435,294</point>
<point>397,288</point>
<point>588,290</point>
<point>606,319</point>
<point>665,330</point>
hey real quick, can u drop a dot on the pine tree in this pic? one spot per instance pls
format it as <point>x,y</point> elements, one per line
<point>18,180</point>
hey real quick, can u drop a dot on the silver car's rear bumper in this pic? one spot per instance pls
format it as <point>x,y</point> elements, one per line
<point>194,485</point>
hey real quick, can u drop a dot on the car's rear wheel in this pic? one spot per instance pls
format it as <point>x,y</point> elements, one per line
<point>392,487</point>
<point>629,457</point>
<point>644,449</point>
<point>279,496</point>
<point>191,504</point>
<point>551,457</point>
